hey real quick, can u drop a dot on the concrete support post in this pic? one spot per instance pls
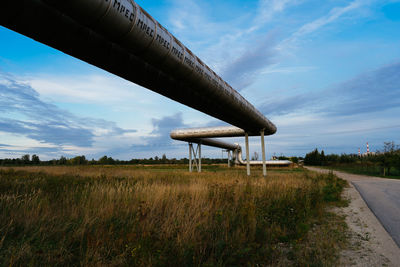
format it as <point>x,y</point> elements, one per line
<point>263,154</point>
<point>199,167</point>
<point>247,154</point>
<point>190,157</point>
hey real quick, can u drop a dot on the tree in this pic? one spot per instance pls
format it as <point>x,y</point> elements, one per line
<point>312,158</point>
<point>332,158</point>
<point>35,160</point>
<point>164,159</point>
<point>388,159</point>
<point>397,160</point>
<point>79,160</point>
<point>103,160</point>
<point>25,159</point>
<point>389,147</point>
<point>62,160</point>
<point>322,158</point>
<point>110,161</point>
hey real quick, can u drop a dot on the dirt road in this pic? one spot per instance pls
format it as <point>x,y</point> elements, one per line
<point>370,243</point>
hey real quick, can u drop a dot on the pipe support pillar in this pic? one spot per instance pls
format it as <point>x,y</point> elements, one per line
<point>263,154</point>
<point>247,154</point>
<point>199,148</point>
<point>194,157</point>
<point>190,157</point>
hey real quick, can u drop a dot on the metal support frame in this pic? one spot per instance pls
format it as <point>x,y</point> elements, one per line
<point>263,154</point>
<point>196,157</point>
<point>247,154</point>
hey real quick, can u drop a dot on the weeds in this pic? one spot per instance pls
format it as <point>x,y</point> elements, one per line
<point>123,216</point>
<point>365,168</point>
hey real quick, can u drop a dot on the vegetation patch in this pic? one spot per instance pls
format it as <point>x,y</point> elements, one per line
<point>125,216</point>
<point>385,163</point>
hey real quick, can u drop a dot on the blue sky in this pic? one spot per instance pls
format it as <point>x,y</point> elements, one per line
<point>327,73</point>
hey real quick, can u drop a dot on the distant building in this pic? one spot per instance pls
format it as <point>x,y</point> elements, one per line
<point>368,153</point>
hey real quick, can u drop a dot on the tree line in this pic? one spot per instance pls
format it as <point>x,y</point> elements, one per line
<point>386,161</point>
<point>34,160</point>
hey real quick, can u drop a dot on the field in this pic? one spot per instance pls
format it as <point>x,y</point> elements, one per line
<point>365,169</point>
<point>165,216</point>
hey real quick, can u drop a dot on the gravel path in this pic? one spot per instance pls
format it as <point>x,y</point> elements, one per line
<point>370,243</point>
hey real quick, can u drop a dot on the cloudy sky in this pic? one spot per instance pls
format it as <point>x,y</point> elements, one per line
<point>327,73</point>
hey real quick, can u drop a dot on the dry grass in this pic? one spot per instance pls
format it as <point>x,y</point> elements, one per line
<point>127,216</point>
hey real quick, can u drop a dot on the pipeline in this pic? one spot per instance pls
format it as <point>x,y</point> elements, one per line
<point>121,37</point>
<point>202,136</point>
<point>239,160</point>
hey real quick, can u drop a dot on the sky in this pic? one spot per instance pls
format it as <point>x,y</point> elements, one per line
<point>326,73</point>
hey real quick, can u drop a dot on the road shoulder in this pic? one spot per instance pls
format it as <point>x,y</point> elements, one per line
<point>369,242</point>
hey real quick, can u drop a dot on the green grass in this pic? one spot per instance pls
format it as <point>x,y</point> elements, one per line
<point>147,217</point>
<point>364,169</point>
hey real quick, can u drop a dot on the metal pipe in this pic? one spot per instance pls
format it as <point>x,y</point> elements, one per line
<point>211,142</point>
<point>209,132</point>
<point>122,38</point>
<point>263,154</point>
<point>239,160</point>
<point>247,154</point>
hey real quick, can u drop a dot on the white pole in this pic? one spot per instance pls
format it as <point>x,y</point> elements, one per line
<point>263,154</point>
<point>247,154</point>
<point>190,157</point>
<point>199,157</point>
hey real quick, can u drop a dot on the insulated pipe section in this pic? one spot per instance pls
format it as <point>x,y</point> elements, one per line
<point>120,37</point>
<point>205,132</point>
<point>213,143</point>
<point>239,160</point>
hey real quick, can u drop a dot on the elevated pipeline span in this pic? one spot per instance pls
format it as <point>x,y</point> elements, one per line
<point>122,38</point>
<point>201,136</point>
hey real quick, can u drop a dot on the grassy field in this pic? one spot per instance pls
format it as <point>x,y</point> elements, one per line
<point>364,169</point>
<point>164,216</point>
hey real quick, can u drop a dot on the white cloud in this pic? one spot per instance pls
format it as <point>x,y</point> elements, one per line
<point>84,88</point>
<point>267,9</point>
<point>209,38</point>
<point>287,70</point>
<point>315,25</point>
<point>333,15</point>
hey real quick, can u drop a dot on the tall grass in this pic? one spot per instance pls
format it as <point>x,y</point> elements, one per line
<point>365,168</point>
<point>123,216</point>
